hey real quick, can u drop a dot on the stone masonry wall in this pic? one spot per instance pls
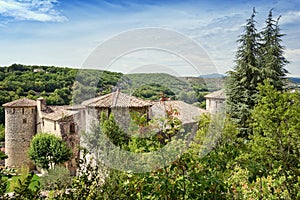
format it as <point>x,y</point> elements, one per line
<point>20,127</point>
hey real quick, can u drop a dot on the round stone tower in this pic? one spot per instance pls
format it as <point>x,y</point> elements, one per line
<point>20,127</point>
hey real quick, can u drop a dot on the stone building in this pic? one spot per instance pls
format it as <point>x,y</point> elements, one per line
<point>24,118</point>
<point>215,101</point>
<point>118,103</point>
<point>20,127</point>
<point>186,113</point>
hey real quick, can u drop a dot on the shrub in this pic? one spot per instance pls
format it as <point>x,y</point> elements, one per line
<point>47,150</point>
<point>56,178</point>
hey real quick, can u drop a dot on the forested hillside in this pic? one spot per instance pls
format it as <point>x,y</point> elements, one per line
<point>53,83</point>
<point>62,86</point>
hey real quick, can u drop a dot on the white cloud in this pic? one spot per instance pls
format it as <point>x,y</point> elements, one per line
<point>293,55</point>
<point>36,10</point>
<point>290,17</point>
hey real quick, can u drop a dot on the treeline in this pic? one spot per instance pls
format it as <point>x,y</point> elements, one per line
<point>63,86</point>
<point>55,84</point>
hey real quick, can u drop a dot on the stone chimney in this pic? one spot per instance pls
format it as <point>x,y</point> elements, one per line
<point>41,104</point>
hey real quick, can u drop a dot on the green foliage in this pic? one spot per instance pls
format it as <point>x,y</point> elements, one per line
<point>163,80</point>
<point>24,190</point>
<point>191,176</point>
<point>56,178</point>
<point>153,92</point>
<point>47,150</point>
<point>272,57</point>
<point>265,187</point>
<point>150,86</point>
<point>90,83</point>
<point>55,84</point>
<point>110,128</point>
<point>242,82</point>
<point>25,186</point>
<point>3,156</point>
<point>275,143</point>
<point>88,183</point>
<point>2,133</point>
<point>259,57</point>
<point>143,139</point>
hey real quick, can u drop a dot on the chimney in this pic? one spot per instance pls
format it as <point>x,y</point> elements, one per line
<point>41,104</point>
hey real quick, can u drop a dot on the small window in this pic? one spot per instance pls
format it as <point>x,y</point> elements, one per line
<point>23,111</point>
<point>24,121</point>
<point>13,111</point>
<point>72,128</point>
<point>54,125</point>
<point>43,122</point>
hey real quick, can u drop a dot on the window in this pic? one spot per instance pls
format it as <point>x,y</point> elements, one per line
<point>23,111</point>
<point>13,111</point>
<point>43,122</point>
<point>54,125</point>
<point>72,128</point>
<point>108,112</point>
<point>24,121</point>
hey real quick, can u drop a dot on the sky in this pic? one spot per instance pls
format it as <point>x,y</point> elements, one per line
<point>185,38</point>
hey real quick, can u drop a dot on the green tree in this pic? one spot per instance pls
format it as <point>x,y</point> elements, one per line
<point>259,57</point>
<point>275,143</point>
<point>47,150</point>
<point>110,128</point>
<point>2,133</point>
<point>153,91</point>
<point>242,82</point>
<point>271,58</point>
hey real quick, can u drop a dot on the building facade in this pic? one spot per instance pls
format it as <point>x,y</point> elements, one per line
<point>215,102</point>
<point>24,118</point>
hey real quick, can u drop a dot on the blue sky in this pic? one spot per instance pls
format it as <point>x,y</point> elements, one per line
<point>65,33</point>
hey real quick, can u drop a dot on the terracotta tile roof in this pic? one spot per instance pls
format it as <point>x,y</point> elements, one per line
<point>56,113</point>
<point>116,99</point>
<point>187,113</point>
<point>24,102</point>
<point>220,94</point>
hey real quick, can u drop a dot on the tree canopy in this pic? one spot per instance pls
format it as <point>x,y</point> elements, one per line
<point>259,57</point>
<point>47,150</point>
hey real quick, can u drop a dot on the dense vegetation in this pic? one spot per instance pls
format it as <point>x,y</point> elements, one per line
<point>54,83</point>
<point>47,150</point>
<point>259,57</point>
<point>62,86</point>
<point>265,167</point>
<point>252,153</point>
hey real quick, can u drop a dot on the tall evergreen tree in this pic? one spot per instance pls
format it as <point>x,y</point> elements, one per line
<point>242,81</point>
<point>271,53</point>
<point>259,57</point>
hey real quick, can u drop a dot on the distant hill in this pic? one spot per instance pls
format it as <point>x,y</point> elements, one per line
<point>294,80</point>
<point>176,84</point>
<point>214,75</point>
<point>134,81</point>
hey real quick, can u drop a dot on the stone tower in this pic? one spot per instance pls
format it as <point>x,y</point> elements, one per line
<point>20,127</point>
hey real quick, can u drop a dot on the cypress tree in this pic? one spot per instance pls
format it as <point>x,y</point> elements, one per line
<point>271,53</point>
<point>259,57</point>
<point>242,81</point>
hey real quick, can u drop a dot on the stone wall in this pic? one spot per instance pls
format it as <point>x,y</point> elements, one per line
<point>214,105</point>
<point>122,115</point>
<point>70,134</point>
<point>50,126</point>
<point>20,127</point>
